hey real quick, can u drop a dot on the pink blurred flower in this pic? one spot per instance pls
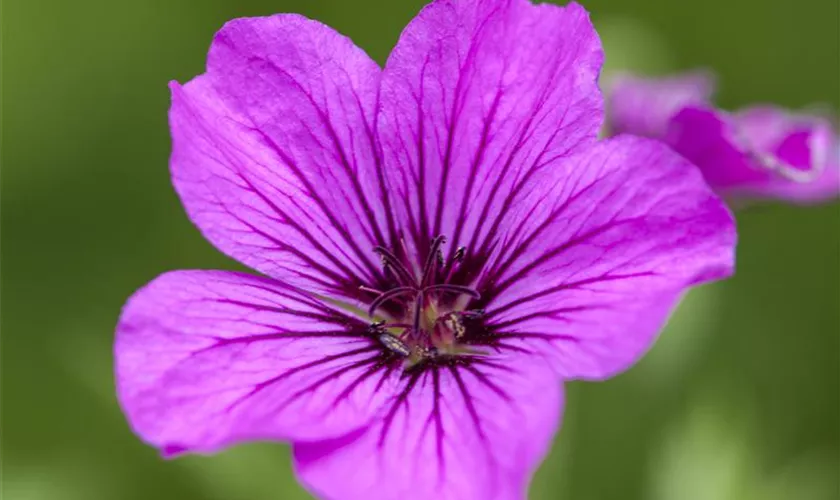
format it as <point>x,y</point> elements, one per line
<point>760,152</point>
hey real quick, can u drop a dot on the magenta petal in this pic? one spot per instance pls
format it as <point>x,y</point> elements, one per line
<point>476,97</point>
<point>728,149</point>
<point>274,152</point>
<point>704,136</point>
<point>593,262</point>
<point>458,432</point>
<point>205,359</point>
<point>643,106</point>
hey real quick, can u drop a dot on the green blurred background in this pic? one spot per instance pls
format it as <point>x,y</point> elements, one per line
<point>740,399</point>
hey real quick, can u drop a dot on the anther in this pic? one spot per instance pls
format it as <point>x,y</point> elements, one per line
<point>473,314</point>
<point>428,270</point>
<point>457,257</point>
<point>394,344</point>
<point>390,261</point>
<point>455,325</point>
<point>459,254</point>
<point>376,327</point>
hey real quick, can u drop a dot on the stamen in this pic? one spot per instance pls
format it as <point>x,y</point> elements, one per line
<point>386,296</point>
<point>418,326</point>
<point>418,309</point>
<point>389,260</point>
<point>430,260</point>
<point>458,289</point>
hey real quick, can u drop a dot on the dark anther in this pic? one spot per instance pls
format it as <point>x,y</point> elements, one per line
<point>392,262</point>
<point>428,269</point>
<point>376,328</point>
<point>450,267</point>
<point>459,254</point>
<point>473,314</point>
<point>394,344</point>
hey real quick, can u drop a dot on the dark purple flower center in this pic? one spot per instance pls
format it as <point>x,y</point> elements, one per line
<point>424,314</point>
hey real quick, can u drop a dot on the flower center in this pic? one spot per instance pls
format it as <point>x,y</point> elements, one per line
<point>422,315</point>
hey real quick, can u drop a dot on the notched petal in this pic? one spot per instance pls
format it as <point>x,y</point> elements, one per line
<point>205,359</point>
<point>468,430</point>
<point>476,97</point>
<point>590,266</point>
<point>274,154</point>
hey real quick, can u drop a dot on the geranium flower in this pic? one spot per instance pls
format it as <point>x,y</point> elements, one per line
<point>443,241</point>
<point>760,152</point>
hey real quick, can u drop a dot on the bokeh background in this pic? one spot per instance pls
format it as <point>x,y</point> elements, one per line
<point>739,400</point>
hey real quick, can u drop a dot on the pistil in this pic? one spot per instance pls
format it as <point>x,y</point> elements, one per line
<point>429,323</point>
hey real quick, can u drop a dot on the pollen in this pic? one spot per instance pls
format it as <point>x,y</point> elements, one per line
<point>394,344</point>
<point>455,325</point>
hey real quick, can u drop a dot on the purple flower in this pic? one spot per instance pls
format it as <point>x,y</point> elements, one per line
<point>759,152</point>
<point>443,241</point>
